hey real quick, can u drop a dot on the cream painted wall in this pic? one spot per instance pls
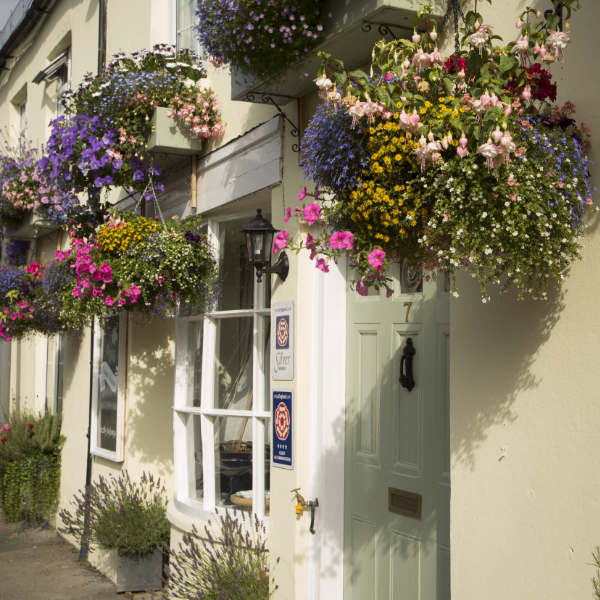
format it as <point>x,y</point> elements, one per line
<point>525,410</point>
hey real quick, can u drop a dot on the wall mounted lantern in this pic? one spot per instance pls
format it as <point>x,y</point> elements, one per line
<point>259,239</point>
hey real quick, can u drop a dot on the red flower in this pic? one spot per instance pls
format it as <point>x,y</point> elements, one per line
<point>455,63</point>
<point>3,440</point>
<point>30,425</point>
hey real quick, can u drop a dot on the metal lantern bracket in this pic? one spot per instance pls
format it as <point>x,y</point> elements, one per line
<point>268,99</point>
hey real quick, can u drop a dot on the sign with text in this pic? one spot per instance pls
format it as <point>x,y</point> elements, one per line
<point>282,362</point>
<point>282,429</point>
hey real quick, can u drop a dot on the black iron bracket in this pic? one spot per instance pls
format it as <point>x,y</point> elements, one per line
<point>268,99</point>
<point>384,29</point>
<point>558,11</point>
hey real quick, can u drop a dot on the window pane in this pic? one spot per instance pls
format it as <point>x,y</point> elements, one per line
<point>59,373</point>
<point>195,362</point>
<point>233,368</point>
<point>236,274</point>
<point>108,386</point>
<point>267,363</point>
<point>186,34</point>
<point>51,357</point>
<point>196,446</point>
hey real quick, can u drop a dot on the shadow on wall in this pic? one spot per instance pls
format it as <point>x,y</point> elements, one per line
<point>149,430</point>
<point>497,344</point>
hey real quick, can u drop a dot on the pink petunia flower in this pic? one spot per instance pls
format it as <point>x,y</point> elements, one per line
<point>280,241</point>
<point>311,213</point>
<point>302,194</point>
<point>109,301</point>
<point>375,258</point>
<point>288,214</point>
<point>362,288</point>
<point>322,265</point>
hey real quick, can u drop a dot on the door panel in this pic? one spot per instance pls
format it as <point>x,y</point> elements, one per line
<point>397,439</point>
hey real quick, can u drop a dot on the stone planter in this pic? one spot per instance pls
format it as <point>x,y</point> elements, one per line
<point>32,226</point>
<point>138,574</point>
<point>168,138</point>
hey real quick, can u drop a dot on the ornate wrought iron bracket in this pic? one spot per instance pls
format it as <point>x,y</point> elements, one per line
<point>455,10</point>
<point>268,99</point>
<point>558,11</point>
<point>384,29</point>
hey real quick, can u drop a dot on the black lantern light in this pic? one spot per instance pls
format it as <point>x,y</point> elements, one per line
<point>259,238</point>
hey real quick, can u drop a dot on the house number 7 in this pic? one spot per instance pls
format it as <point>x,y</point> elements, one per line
<point>408,307</point>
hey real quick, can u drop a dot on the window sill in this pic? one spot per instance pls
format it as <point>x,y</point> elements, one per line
<point>184,516</point>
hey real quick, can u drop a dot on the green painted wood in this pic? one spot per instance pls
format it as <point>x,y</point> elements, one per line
<point>397,439</point>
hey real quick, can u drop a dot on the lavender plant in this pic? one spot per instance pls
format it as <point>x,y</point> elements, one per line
<point>259,36</point>
<point>231,565</point>
<point>119,513</point>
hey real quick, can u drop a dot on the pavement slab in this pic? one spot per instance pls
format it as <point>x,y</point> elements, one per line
<point>37,564</point>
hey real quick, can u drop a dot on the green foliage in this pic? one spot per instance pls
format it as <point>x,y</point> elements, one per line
<point>596,578</point>
<point>231,566</point>
<point>119,513</point>
<point>30,467</point>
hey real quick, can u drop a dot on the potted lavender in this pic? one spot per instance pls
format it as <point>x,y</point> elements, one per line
<point>129,519</point>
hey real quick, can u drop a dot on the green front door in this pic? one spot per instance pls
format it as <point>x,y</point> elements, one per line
<point>397,490</point>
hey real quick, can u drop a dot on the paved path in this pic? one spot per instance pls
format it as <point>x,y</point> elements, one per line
<point>36,564</point>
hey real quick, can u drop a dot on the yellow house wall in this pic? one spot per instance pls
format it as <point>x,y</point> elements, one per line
<point>525,411</point>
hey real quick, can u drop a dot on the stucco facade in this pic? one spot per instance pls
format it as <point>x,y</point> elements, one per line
<point>524,420</point>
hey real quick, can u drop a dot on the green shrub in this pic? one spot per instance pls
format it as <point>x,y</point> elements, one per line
<point>116,512</point>
<point>232,566</point>
<point>30,467</point>
<point>596,578</point>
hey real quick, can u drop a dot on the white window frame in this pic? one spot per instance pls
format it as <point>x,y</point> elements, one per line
<point>259,415</point>
<point>118,454</point>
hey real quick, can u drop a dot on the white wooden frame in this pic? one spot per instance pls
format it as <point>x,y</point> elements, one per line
<point>180,30</point>
<point>118,454</point>
<point>258,415</point>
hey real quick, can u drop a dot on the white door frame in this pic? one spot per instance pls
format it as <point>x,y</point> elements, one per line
<point>327,410</point>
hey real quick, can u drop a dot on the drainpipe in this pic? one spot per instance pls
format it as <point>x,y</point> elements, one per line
<point>84,547</point>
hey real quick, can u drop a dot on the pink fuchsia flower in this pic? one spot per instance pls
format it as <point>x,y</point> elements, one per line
<point>480,38</point>
<point>375,258</point>
<point>6,427</point>
<point>280,241</point>
<point>557,42</point>
<point>322,265</point>
<point>521,48</point>
<point>302,194</point>
<point>462,152</point>
<point>288,214</point>
<point>526,94</point>
<point>421,60</point>
<point>489,151</point>
<point>416,38</point>
<point>311,213</point>
<point>410,122</point>
<point>109,301</point>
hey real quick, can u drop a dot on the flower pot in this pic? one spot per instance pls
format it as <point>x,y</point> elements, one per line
<point>168,137</point>
<point>139,573</point>
<point>32,226</point>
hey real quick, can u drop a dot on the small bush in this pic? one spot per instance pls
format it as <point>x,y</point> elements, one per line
<point>119,513</point>
<point>30,467</point>
<point>232,566</point>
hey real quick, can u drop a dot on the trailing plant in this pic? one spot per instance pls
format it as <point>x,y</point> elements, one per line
<point>102,143</point>
<point>261,37</point>
<point>30,448</point>
<point>596,577</point>
<point>24,187</point>
<point>227,562</point>
<point>453,162</point>
<point>136,263</point>
<point>31,299</point>
<point>119,513</point>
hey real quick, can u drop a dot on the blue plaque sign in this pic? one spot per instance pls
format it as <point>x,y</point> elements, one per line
<point>282,429</point>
